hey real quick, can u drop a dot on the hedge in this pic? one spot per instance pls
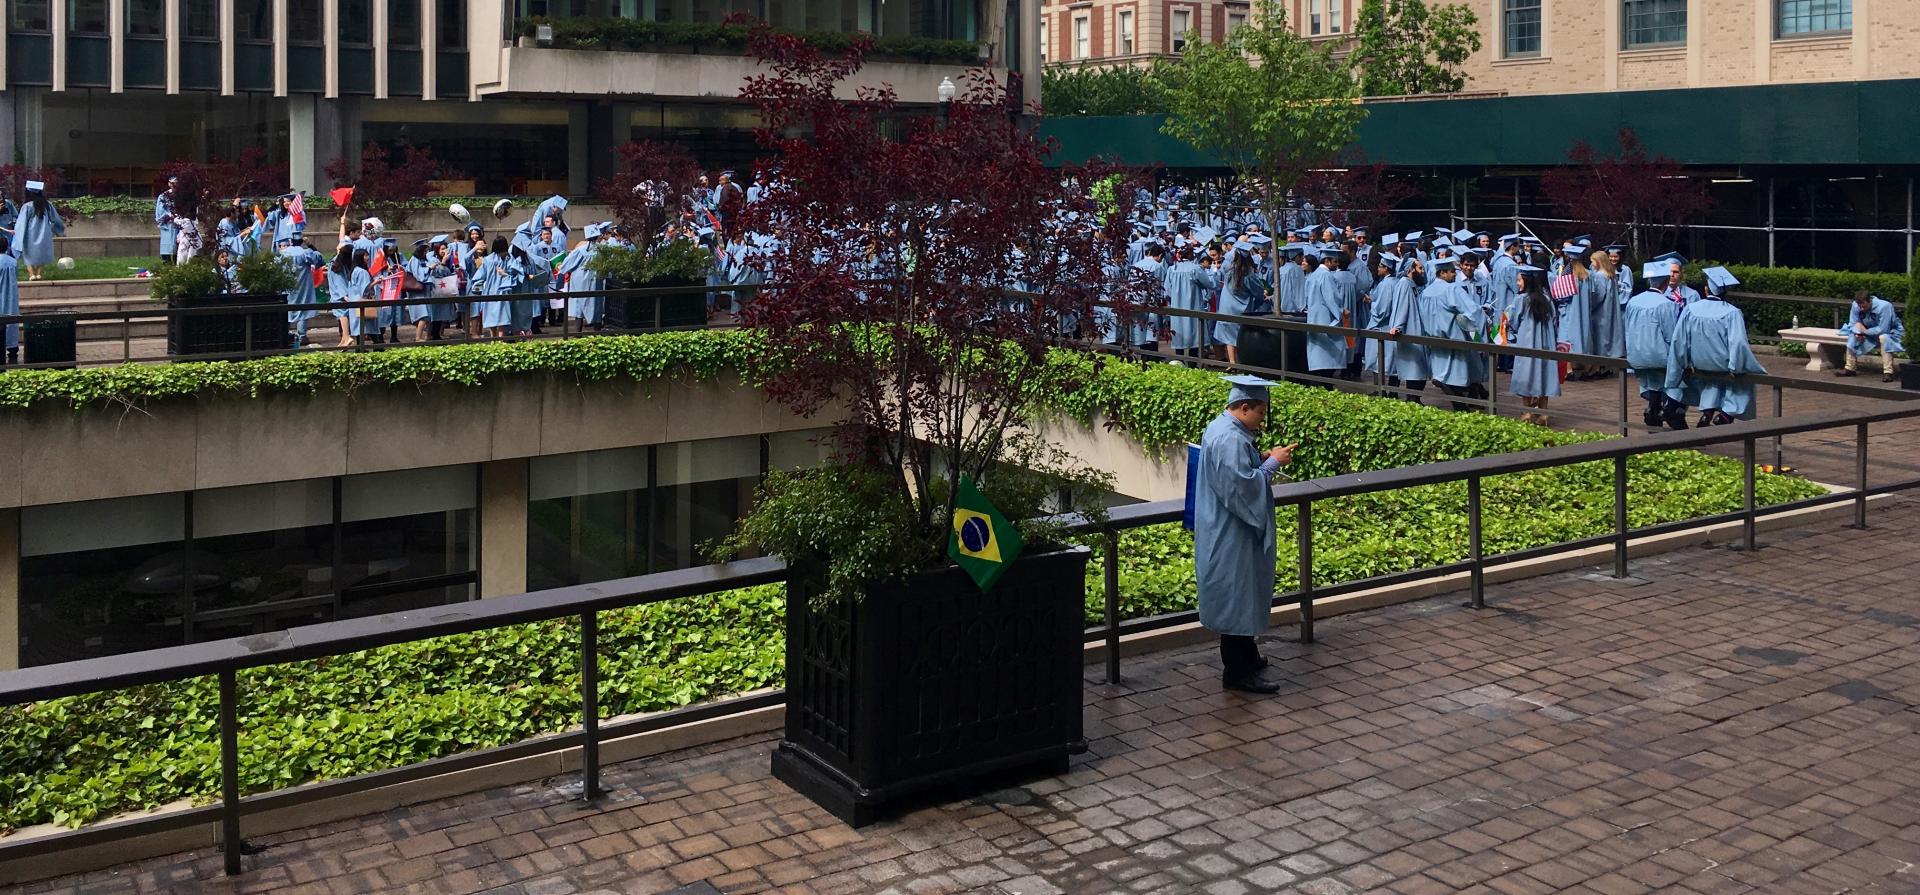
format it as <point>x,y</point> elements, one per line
<point>70,761</point>
<point>1765,319</point>
<point>643,35</point>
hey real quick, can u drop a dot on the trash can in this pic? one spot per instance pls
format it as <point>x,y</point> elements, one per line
<point>50,342</point>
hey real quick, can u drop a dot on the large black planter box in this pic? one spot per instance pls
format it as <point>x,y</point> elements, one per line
<point>50,342</point>
<point>227,333</point>
<point>929,684</point>
<point>656,311</point>
<point>1909,371</point>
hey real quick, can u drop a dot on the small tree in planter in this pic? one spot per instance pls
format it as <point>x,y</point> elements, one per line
<point>891,257</point>
<point>676,262</point>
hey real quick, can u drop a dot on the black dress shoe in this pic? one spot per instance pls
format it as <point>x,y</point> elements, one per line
<point>1677,420</point>
<point>1252,683</point>
<point>1845,373</point>
<point>1652,420</point>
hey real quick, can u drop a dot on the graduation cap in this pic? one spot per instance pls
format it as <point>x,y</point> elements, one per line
<point>1258,239</point>
<point>35,186</point>
<point>1442,240</point>
<point>593,231</point>
<point>1440,264</point>
<point>1390,239</point>
<point>1674,257</point>
<point>1462,235</point>
<point>1360,229</point>
<point>1513,237</point>
<point>1720,278</point>
<point>1572,251</point>
<point>520,242</point>
<point>475,227</point>
<point>1527,268</point>
<point>1656,270</point>
<point>1205,234</point>
<point>439,240</point>
<point>390,243</point>
<point>421,243</point>
<point>1616,247</point>
<point>1412,236</point>
<point>1388,257</point>
<point>1248,388</point>
<point>1310,252</point>
<point>1534,241</point>
<point>1582,240</point>
<point>1292,249</point>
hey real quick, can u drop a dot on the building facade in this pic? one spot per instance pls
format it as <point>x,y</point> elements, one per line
<point>110,90</point>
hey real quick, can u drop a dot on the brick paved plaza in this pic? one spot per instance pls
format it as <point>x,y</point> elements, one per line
<point>1721,723</point>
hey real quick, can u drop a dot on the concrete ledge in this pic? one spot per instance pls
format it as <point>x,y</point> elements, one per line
<point>565,761</point>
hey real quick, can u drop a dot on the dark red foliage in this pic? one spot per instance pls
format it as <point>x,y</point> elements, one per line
<point>386,185</point>
<point>651,187</point>
<point>896,237</point>
<point>1633,194</point>
<point>251,176</point>
<point>1361,194</point>
<point>13,181</point>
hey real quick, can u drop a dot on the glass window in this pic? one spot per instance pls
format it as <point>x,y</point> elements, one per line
<point>1802,17</point>
<point>1043,40</point>
<point>406,540</point>
<point>253,20</point>
<point>1521,24</point>
<point>452,24</point>
<point>87,16</point>
<point>1334,20</point>
<point>1236,21</point>
<point>262,558</point>
<point>1182,23</point>
<point>200,20</point>
<point>30,15</point>
<point>101,577</point>
<point>403,24</point>
<point>146,18</point>
<point>1654,23</point>
<point>356,22</point>
<point>1082,43</point>
<point>1126,32</point>
<point>702,488</point>
<point>799,450</point>
<point>305,23</point>
<point>586,517</point>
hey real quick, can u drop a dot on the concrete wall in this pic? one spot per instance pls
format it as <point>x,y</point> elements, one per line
<point>534,70</point>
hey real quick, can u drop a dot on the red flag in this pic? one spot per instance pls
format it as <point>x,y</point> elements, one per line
<point>298,208</point>
<point>342,196</point>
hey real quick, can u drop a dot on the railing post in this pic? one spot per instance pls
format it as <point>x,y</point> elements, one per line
<point>1620,516</point>
<point>590,705</point>
<point>1624,412</point>
<point>126,335</point>
<point>1305,541</point>
<point>230,771</point>
<point>1777,456</point>
<point>1747,523</point>
<point>1207,326</point>
<point>1477,575</point>
<point>1113,606</point>
<point>1860,474</point>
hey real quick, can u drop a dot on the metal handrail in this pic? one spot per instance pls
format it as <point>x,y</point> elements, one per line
<point>226,657</point>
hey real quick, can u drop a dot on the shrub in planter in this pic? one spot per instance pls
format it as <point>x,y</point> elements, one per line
<point>198,284</point>
<point>910,334</point>
<point>680,262</point>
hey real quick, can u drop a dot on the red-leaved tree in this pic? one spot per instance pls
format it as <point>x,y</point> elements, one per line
<point>1647,199</point>
<point>13,181</point>
<point>253,175</point>
<point>387,183</point>
<point>1362,194</point>
<point>892,249</point>
<point>651,186</point>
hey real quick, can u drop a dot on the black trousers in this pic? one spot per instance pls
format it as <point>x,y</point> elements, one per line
<point>1239,656</point>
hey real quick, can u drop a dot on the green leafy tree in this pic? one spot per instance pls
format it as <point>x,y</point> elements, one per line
<point>1078,91</point>
<point>1404,47</point>
<point>1268,103</point>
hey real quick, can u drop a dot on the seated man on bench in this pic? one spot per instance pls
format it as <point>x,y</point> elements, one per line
<point>1872,326</point>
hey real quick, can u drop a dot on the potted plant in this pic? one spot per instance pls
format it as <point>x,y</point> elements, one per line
<point>934,620</point>
<point>676,262</point>
<point>195,284</point>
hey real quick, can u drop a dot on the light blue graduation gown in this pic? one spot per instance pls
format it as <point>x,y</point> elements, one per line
<point>494,275</point>
<point>163,217</point>
<point>1534,377</point>
<point>352,287</point>
<point>33,234</point>
<point>581,279</point>
<point>1410,362</point>
<point>1140,328</point>
<point>423,270</point>
<point>1233,531</point>
<point>1392,298</point>
<point>1711,337</point>
<point>1188,288</point>
<point>1501,294</point>
<point>1447,312</point>
<point>10,297</point>
<point>1291,282</point>
<point>1649,321</point>
<point>1603,331</point>
<point>532,282</point>
<point>1349,295</point>
<point>302,262</point>
<point>1880,320</point>
<point>1245,296</point>
<point>1326,301</point>
<point>1573,317</point>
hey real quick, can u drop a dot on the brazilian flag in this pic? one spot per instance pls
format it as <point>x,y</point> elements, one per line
<point>983,543</point>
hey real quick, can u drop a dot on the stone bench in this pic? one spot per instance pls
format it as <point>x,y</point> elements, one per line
<point>1826,348</point>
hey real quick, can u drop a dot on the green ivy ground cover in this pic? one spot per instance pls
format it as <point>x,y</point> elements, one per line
<point>74,760</point>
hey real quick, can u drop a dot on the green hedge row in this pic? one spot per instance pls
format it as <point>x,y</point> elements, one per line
<point>74,760</point>
<point>640,34</point>
<point>1765,319</point>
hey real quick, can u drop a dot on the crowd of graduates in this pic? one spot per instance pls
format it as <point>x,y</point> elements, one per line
<point>1574,298</point>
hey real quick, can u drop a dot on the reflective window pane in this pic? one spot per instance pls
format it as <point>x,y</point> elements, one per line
<point>101,577</point>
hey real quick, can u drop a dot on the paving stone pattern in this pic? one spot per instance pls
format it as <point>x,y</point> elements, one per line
<point>1719,723</point>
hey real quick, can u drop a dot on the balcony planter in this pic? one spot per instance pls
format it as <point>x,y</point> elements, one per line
<point>1910,374</point>
<point>928,684</point>
<point>227,333</point>
<point>645,312</point>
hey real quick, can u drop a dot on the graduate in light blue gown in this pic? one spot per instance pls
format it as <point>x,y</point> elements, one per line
<point>1872,325</point>
<point>1605,333</point>
<point>1649,320</point>
<point>34,228</point>
<point>163,218</point>
<point>301,261</point>
<point>1447,312</point>
<point>1190,284</point>
<point>1242,291</point>
<point>348,280</point>
<point>547,245</point>
<point>1573,308</point>
<point>1711,337</point>
<point>495,275</point>
<point>425,270</point>
<point>1233,531</point>
<point>1150,272</point>
<point>1392,299</point>
<point>1676,284</point>
<point>10,297</point>
<point>580,278</point>
<point>1411,363</point>
<point>531,283</point>
<point>1290,280</point>
<point>1327,353</point>
<point>1535,379</point>
<point>551,213</point>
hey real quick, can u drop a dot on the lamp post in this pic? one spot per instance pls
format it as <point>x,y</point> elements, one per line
<point>945,91</point>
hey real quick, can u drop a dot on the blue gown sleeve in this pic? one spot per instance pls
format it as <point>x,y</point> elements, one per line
<point>1245,492</point>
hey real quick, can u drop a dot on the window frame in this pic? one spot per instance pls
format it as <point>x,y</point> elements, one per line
<point>1780,17</point>
<point>1082,37</point>
<point>1626,27</point>
<point>1176,35</point>
<point>1123,31</point>
<point>1043,39</point>
<point>48,9</point>
<point>1539,10</point>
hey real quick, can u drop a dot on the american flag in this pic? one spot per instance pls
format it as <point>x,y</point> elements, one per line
<point>1564,286</point>
<point>297,209</point>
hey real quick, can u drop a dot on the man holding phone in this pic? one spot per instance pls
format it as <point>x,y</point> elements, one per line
<point>1233,532</point>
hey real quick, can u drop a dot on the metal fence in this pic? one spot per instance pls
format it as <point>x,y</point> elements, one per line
<point>225,658</point>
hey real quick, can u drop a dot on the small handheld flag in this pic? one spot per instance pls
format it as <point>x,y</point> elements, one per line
<point>342,196</point>
<point>983,542</point>
<point>297,209</point>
